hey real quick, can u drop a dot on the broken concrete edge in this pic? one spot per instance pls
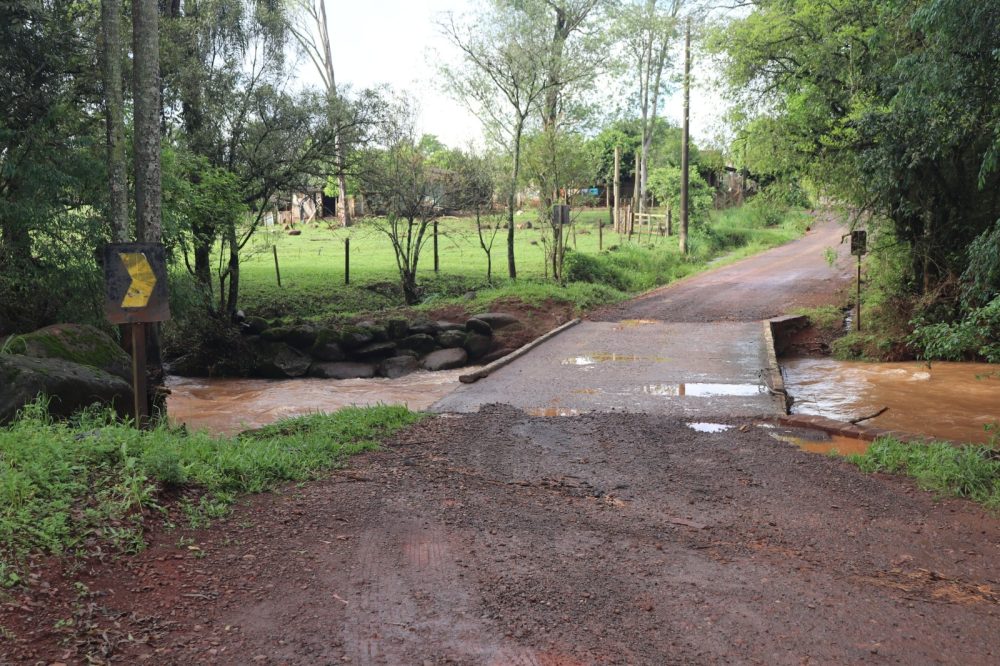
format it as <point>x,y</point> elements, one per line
<point>852,430</point>
<point>487,370</point>
<point>772,374</point>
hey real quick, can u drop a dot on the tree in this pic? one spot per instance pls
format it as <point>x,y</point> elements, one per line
<point>647,31</point>
<point>146,105</point>
<point>411,195</point>
<point>316,44</point>
<point>502,78</point>
<point>111,56</point>
<point>475,187</point>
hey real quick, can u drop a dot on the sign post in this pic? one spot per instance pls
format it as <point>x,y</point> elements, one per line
<point>859,247</point>
<point>135,279</point>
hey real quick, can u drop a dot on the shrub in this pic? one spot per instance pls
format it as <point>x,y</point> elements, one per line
<point>595,269</point>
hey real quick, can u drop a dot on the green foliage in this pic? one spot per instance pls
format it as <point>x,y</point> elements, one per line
<point>958,471</point>
<point>825,317</point>
<point>665,185</point>
<point>981,279</point>
<point>975,336</point>
<point>68,487</point>
<point>595,269</point>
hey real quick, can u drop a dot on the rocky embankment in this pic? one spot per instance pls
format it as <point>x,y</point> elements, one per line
<point>391,349</point>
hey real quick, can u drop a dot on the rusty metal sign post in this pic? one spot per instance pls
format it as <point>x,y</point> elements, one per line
<point>859,247</point>
<point>135,294</point>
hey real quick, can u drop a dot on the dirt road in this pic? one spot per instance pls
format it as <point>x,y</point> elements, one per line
<point>499,538</point>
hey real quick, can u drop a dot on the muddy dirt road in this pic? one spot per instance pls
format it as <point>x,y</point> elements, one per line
<point>499,537</point>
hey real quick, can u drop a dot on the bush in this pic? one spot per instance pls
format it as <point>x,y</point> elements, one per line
<point>977,335</point>
<point>595,269</point>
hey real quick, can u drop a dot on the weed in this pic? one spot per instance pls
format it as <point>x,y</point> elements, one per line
<point>971,471</point>
<point>826,317</point>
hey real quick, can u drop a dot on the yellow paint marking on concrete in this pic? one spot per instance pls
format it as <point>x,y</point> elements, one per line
<point>143,280</point>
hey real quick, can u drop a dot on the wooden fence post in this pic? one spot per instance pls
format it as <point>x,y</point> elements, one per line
<point>347,261</point>
<point>437,264</point>
<point>277,270</point>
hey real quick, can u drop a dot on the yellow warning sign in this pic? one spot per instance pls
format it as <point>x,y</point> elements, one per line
<point>135,276</point>
<point>143,280</point>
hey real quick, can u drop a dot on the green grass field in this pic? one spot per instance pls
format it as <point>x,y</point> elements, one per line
<point>312,264</point>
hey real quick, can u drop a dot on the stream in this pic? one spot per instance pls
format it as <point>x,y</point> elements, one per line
<point>953,401</point>
<point>227,406</point>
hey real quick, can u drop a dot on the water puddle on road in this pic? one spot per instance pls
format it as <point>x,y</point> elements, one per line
<point>228,406</point>
<point>703,390</point>
<point>953,401</point>
<point>841,446</point>
<point>710,427</point>
<point>634,323</point>
<point>603,357</point>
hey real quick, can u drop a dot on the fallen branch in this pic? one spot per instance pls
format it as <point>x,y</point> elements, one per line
<point>870,416</point>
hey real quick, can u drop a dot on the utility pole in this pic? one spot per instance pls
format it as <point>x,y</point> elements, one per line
<point>685,140</point>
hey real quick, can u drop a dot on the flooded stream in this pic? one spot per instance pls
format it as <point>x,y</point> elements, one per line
<point>948,400</point>
<point>228,406</point>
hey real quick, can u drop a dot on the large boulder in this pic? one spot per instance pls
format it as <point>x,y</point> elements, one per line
<point>397,328</point>
<point>449,326</point>
<point>326,347</point>
<point>277,360</point>
<point>398,366</point>
<point>498,320</point>
<point>479,326</point>
<point>451,338</point>
<point>342,370</point>
<point>446,359</point>
<point>425,327</point>
<point>376,350</point>
<point>477,345</point>
<point>70,386</point>
<point>255,325</point>
<point>353,337</point>
<point>419,342</point>
<point>78,343</point>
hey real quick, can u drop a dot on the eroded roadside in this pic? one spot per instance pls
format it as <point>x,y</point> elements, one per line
<point>500,538</point>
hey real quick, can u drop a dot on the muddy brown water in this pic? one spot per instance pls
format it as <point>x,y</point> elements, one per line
<point>954,401</point>
<point>227,406</point>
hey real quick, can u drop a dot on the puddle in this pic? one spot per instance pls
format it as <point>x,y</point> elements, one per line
<point>553,411</point>
<point>228,406</point>
<point>949,400</point>
<point>634,323</point>
<point>842,446</point>
<point>703,390</point>
<point>710,427</point>
<point>602,357</point>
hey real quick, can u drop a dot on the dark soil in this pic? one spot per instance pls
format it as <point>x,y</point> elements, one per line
<point>499,538</point>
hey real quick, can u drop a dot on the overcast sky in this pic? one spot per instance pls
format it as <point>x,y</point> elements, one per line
<point>397,42</point>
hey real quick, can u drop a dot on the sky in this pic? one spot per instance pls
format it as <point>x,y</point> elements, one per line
<point>397,42</point>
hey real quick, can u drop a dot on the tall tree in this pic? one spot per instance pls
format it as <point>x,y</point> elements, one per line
<point>316,44</point>
<point>505,55</point>
<point>146,104</point>
<point>114,117</point>
<point>647,30</point>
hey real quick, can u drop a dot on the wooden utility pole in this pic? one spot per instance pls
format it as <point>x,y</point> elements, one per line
<point>636,204</point>
<point>684,139</point>
<point>618,183</point>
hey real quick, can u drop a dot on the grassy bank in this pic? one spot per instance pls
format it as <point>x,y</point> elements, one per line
<point>92,484</point>
<point>312,264</point>
<point>968,471</point>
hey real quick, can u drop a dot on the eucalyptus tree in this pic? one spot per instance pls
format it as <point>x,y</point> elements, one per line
<point>312,32</point>
<point>502,77</point>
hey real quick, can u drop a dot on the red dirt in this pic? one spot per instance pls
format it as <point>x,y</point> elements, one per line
<point>499,538</point>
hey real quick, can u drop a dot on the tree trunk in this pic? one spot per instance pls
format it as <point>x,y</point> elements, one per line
<point>234,273</point>
<point>411,294</point>
<point>145,45</point>
<point>685,203</point>
<point>322,28</point>
<point>114,114</point>
<point>512,200</point>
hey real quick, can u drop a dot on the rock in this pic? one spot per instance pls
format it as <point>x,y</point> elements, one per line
<point>446,359</point>
<point>294,232</point>
<point>278,360</point>
<point>397,366</point>
<point>419,342</point>
<point>478,326</point>
<point>301,337</point>
<point>78,343</point>
<point>397,328</point>
<point>451,338</point>
<point>354,337</point>
<point>498,320</point>
<point>495,355</point>
<point>407,352</point>
<point>327,351</point>
<point>379,333</point>
<point>425,327</point>
<point>342,370</point>
<point>70,386</point>
<point>449,326</point>
<point>255,325</point>
<point>376,349</point>
<point>477,345</point>
<point>275,333</point>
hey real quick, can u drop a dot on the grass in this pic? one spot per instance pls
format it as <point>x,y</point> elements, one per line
<point>81,486</point>
<point>828,318</point>
<point>971,471</point>
<point>312,265</point>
